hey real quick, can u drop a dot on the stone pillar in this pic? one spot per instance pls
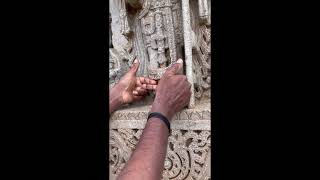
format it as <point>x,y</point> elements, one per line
<point>188,46</point>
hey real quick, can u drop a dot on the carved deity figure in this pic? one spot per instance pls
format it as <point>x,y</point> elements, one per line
<point>158,44</point>
<point>124,25</point>
<point>114,67</point>
<point>159,28</point>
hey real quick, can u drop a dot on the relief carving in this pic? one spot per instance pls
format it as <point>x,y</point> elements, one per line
<point>125,29</point>
<point>156,39</point>
<point>155,33</point>
<point>161,36</point>
<point>114,65</point>
<point>202,64</point>
<point>121,53</point>
<point>204,11</point>
<point>201,57</point>
<point>188,153</point>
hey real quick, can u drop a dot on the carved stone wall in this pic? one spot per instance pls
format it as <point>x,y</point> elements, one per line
<point>158,32</point>
<point>188,151</point>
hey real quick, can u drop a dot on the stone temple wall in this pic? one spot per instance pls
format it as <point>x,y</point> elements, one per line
<point>158,33</point>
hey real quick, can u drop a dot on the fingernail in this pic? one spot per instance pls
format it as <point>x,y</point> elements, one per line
<point>180,61</point>
<point>135,61</point>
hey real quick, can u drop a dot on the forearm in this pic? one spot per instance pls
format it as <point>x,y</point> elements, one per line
<point>147,161</point>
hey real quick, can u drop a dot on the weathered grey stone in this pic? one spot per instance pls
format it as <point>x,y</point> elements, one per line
<point>188,155</point>
<point>156,32</point>
<point>128,123</point>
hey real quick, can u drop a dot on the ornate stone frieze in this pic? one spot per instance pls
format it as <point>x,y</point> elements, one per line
<point>188,153</point>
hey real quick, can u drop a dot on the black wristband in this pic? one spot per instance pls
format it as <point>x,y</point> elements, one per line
<point>161,117</point>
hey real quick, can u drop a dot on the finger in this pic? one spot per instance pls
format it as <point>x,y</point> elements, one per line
<point>135,67</point>
<point>151,81</point>
<point>151,87</point>
<point>141,90</point>
<point>145,80</point>
<point>175,68</point>
<point>134,92</point>
<point>138,88</point>
<point>142,80</point>
<point>135,98</point>
<point>144,86</point>
<point>143,94</point>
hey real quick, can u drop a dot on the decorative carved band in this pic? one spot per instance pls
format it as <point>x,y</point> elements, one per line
<point>188,153</point>
<point>199,113</point>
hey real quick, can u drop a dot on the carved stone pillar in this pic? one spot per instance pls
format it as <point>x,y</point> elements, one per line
<point>158,32</point>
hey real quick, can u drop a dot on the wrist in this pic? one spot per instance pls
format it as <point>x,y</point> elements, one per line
<point>115,99</point>
<point>164,110</point>
<point>161,117</point>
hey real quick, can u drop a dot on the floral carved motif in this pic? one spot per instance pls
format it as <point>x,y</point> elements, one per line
<point>188,153</point>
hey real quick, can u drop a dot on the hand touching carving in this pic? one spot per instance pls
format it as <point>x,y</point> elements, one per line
<point>173,92</point>
<point>131,88</point>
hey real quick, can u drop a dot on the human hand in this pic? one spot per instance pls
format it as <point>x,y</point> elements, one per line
<point>173,92</point>
<point>131,88</point>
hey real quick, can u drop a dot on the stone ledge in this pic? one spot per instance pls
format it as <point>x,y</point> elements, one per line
<point>200,113</point>
<point>181,124</point>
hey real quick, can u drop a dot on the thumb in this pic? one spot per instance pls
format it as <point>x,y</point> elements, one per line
<point>135,66</point>
<point>175,68</point>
